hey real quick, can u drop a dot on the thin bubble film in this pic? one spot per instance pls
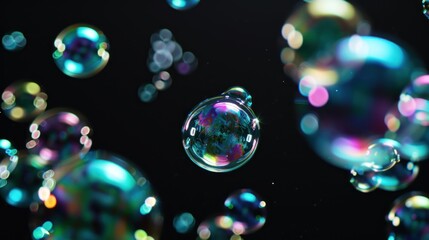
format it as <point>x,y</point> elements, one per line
<point>408,217</point>
<point>399,177</point>
<point>313,28</point>
<point>382,155</point>
<point>408,122</point>
<point>221,134</point>
<point>183,5</point>
<point>23,100</point>
<point>248,209</point>
<point>364,180</point>
<point>14,41</point>
<point>366,86</point>
<point>81,50</point>
<point>59,135</point>
<point>27,180</point>
<point>103,197</point>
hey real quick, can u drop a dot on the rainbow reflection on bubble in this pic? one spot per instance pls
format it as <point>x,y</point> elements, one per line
<point>23,100</point>
<point>104,196</point>
<point>59,135</point>
<point>81,50</point>
<point>221,133</point>
<point>408,217</point>
<point>219,227</point>
<point>248,210</point>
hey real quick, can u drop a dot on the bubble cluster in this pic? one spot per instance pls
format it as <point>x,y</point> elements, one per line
<point>81,50</point>
<point>59,135</point>
<point>408,217</point>
<point>102,197</point>
<point>8,160</point>
<point>23,100</point>
<point>221,133</point>
<point>14,41</point>
<point>183,222</point>
<point>183,5</point>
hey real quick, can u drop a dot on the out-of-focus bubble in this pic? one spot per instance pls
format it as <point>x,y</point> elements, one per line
<point>187,64</point>
<point>184,222</point>
<point>29,182</point>
<point>425,5</point>
<point>162,80</point>
<point>183,4</point>
<point>382,155</point>
<point>248,209</point>
<point>81,50</point>
<point>104,196</point>
<point>14,41</point>
<point>364,88</point>
<point>408,217</point>
<point>364,180</point>
<point>219,227</point>
<point>399,177</point>
<point>23,100</point>
<point>221,133</point>
<point>165,51</point>
<point>409,122</point>
<point>8,160</point>
<point>59,135</point>
<point>147,92</point>
<point>313,28</point>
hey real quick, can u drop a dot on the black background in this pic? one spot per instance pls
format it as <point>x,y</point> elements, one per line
<point>236,43</point>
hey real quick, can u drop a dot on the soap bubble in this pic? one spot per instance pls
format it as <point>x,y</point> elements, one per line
<point>221,133</point>
<point>183,222</point>
<point>219,227</point>
<point>14,41</point>
<point>182,5</point>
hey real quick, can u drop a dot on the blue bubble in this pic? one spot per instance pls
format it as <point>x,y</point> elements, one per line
<point>182,4</point>
<point>184,222</point>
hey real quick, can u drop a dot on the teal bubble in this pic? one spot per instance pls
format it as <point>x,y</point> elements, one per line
<point>248,209</point>
<point>425,5</point>
<point>103,196</point>
<point>14,41</point>
<point>219,227</point>
<point>367,76</point>
<point>23,100</point>
<point>364,180</point>
<point>221,133</point>
<point>184,222</point>
<point>382,155</point>
<point>81,50</point>
<point>408,217</point>
<point>183,4</point>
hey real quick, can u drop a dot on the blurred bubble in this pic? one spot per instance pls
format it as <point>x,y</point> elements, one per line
<point>409,121</point>
<point>23,100</point>
<point>221,133</point>
<point>408,217</point>
<point>184,222</point>
<point>147,92</point>
<point>182,4</point>
<point>366,86</point>
<point>165,51</point>
<point>104,196</point>
<point>425,5</point>
<point>219,227</point>
<point>81,51</point>
<point>382,155</point>
<point>187,64</point>
<point>59,135</point>
<point>162,80</point>
<point>8,160</point>
<point>28,182</point>
<point>364,180</point>
<point>248,209</point>
<point>314,27</point>
<point>399,177</point>
<point>14,41</point>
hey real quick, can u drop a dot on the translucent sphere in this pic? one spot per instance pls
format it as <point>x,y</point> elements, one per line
<point>219,227</point>
<point>248,209</point>
<point>14,41</point>
<point>408,217</point>
<point>183,222</point>
<point>381,155</point>
<point>103,197</point>
<point>8,160</point>
<point>23,100</point>
<point>59,135</point>
<point>182,4</point>
<point>81,50</point>
<point>221,133</point>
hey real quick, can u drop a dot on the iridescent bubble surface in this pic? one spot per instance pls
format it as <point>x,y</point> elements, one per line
<point>221,133</point>
<point>399,177</point>
<point>187,64</point>
<point>425,5</point>
<point>409,121</point>
<point>369,75</point>
<point>81,50</point>
<point>103,197</point>
<point>8,160</point>
<point>408,217</point>
<point>248,209</point>
<point>29,179</point>
<point>14,41</point>
<point>381,155</point>
<point>313,28</point>
<point>23,100</point>
<point>219,227</point>
<point>182,4</point>
<point>59,135</point>
<point>364,180</point>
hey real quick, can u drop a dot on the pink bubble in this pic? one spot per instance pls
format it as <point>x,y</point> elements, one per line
<point>318,96</point>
